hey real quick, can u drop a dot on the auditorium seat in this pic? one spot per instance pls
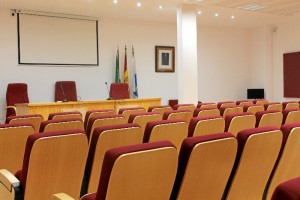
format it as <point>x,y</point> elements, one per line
<point>207,105</point>
<point>15,93</point>
<point>53,162</point>
<point>253,108</point>
<point>105,138</point>
<point>142,171</point>
<point>106,120</point>
<point>13,139</point>
<point>143,118</point>
<point>65,91</point>
<point>178,114</point>
<point>291,115</point>
<point>61,124</point>
<point>269,118</point>
<point>190,107</point>
<point>201,112</point>
<point>95,113</point>
<point>290,104</point>
<point>288,190</point>
<point>226,110</point>
<point>159,109</point>
<point>258,149</point>
<point>244,102</point>
<point>119,91</point>
<point>206,125</point>
<point>65,115</point>
<point>205,163</point>
<point>225,103</point>
<point>173,130</point>
<point>288,162</point>
<point>260,101</point>
<point>273,106</point>
<point>126,112</point>
<point>235,123</point>
<point>35,120</point>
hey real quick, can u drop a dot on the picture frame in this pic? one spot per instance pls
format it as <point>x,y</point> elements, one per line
<point>164,59</point>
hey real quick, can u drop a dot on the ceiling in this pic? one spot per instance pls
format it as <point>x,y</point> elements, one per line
<point>272,12</point>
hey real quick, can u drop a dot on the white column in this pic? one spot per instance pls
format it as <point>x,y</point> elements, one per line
<point>187,54</point>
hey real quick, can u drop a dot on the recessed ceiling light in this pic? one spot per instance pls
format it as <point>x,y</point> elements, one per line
<point>216,14</point>
<point>139,4</point>
<point>199,12</point>
<point>252,7</point>
<point>232,17</point>
<point>160,7</point>
<point>115,1</point>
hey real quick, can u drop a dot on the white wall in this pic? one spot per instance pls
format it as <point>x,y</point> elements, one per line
<point>223,55</point>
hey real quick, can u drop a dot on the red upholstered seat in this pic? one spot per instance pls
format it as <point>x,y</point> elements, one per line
<point>178,114</point>
<point>273,106</point>
<point>244,102</point>
<point>126,112</point>
<point>95,113</point>
<point>260,101</point>
<point>205,163</point>
<point>225,103</point>
<point>159,109</point>
<point>15,93</point>
<point>61,124</point>
<point>253,108</point>
<point>235,123</point>
<point>65,91</point>
<point>148,170</point>
<point>143,118</point>
<point>203,111</point>
<point>35,120</point>
<point>119,91</point>
<point>269,118</point>
<point>290,104</point>
<point>291,115</point>
<point>288,190</point>
<point>225,110</point>
<point>65,115</point>
<point>207,105</point>
<point>190,107</point>
<point>206,125</point>
<point>258,149</point>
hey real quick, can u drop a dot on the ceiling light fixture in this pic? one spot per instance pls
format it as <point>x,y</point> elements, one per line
<point>139,4</point>
<point>232,16</point>
<point>199,12</point>
<point>115,1</point>
<point>160,7</point>
<point>252,7</point>
<point>216,14</point>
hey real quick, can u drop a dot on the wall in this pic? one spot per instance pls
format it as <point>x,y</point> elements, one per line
<point>223,60</point>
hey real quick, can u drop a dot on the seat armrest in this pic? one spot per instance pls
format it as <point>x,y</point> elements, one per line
<point>9,186</point>
<point>61,196</point>
<point>13,107</point>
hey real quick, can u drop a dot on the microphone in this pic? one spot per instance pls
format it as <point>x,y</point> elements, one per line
<point>107,91</point>
<point>63,93</point>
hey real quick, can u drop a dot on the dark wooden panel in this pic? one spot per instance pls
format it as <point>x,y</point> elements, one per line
<point>291,74</point>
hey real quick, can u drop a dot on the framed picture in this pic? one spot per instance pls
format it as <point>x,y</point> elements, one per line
<point>164,59</point>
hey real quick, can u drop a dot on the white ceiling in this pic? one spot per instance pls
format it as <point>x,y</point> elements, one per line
<point>275,11</point>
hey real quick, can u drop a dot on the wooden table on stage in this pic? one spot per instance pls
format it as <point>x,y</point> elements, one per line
<point>45,108</point>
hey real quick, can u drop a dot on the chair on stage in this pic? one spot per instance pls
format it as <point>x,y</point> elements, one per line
<point>253,108</point>
<point>65,91</point>
<point>203,112</point>
<point>235,123</point>
<point>126,112</point>
<point>96,113</point>
<point>35,120</point>
<point>119,91</point>
<point>205,163</point>
<point>13,139</point>
<point>290,104</point>
<point>291,115</point>
<point>206,125</point>
<point>178,114</point>
<point>61,124</point>
<point>143,118</point>
<point>173,130</point>
<point>258,149</point>
<point>65,115</point>
<point>288,190</point>
<point>190,107</point>
<point>105,138</point>
<point>269,118</point>
<point>159,109</point>
<point>15,93</point>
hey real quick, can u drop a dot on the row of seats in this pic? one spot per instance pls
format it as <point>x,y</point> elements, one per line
<point>215,166</point>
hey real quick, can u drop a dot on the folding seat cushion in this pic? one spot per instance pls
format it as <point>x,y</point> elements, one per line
<point>288,190</point>
<point>258,150</point>
<point>291,115</point>
<point>61,124</point>
<point>65,115</point>
<point>206,125</point>
<point>106,120</point>
<point>142,171</point>
<point>119,91</point>
<point>143,118</point>
<point>207,105</point>
<point>95,113</point>
<point>35,120</point>
<point>105,138</point>
<point>53,162</point>
<point>178,114</point>
<point>244,102</point>
<point>65,91</point>
<point>198,112</point>
<point>15,93</point>
<point>174,130</point>
<point>289,158</point>
<point>226,110</point>
<point>190,107</point>
<point>253,108</point>
<point>235,123</point>
<point>273,106</point>
<point>290,104</point>
<point>225,103</point>
<point>269,118</point>
<point>260,101</point>
<point>159,109</point>
<point>205,163</point>
<point>126,112</point>
<point>13,139</point>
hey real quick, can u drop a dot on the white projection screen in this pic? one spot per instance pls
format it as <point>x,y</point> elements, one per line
<point>57,40</point>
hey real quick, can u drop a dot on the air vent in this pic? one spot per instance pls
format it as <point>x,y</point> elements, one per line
<point>252,7</point>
